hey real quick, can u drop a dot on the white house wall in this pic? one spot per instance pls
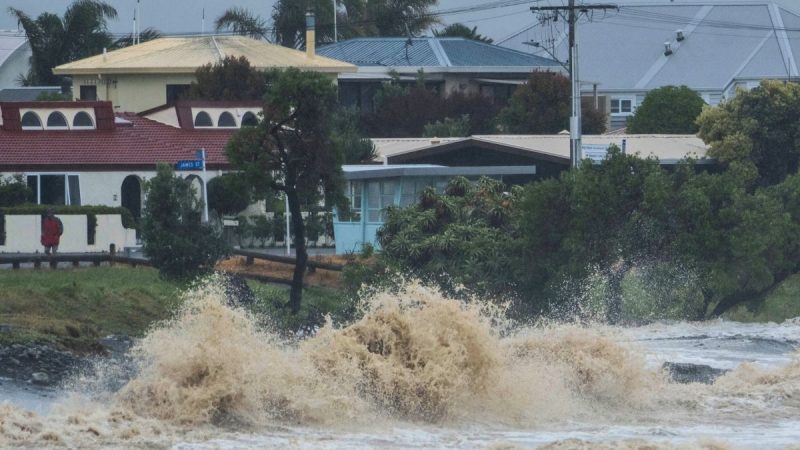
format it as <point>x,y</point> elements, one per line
<point>18,63</point>
<point>23,234</point>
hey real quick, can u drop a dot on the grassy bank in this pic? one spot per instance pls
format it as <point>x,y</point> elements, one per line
<point>73,307</point>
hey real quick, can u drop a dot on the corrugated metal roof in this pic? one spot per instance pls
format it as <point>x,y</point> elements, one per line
<point>624,50</point>
<point>186,54</point>
<point>430,52</point>
<point>26,94</point>
<point>664,147</point>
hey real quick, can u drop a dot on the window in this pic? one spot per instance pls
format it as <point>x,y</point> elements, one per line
<point>354,195</point>
<point>621,106</point>
<point>30,121</point>
<point>249,120</point>
<point>82,120</point>
<point>411,189</point>
<point>176,92</point>
<point>202,119</point>
<point>56,120</point>
<point>226,120</point>
<point>55,189</point>
<point>380,194</point>
<point>88,93</point>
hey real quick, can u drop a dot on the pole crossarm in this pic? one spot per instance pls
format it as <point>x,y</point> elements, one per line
<point>580,8</point>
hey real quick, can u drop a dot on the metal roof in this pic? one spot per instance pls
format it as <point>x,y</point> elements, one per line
<point>26,94</point>
<point>363,172</point>
<point>724,41</point>
<point>667,148</point>
<point>430,52</point>
<point>186,54</point>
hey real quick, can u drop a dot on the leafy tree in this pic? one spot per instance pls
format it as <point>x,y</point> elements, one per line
<point>54,40</point>
<point>14,191</point>
<point>448,127</point>
<point>230,79</point>
<point>229,194</point>
<point>667,110</point>
<point>461,30</point>
<point>174,239</point>
<point>542,106</point>
<point>242,22</point>
<point>459,237</point>
<point>291,151</point>
<point>757,133</point>
<point>53,97</point>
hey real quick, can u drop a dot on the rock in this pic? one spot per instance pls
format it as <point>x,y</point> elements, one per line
<point>692,373</point>
<point>6,328</point>
<point>116,344</point>
<point>40,378</point>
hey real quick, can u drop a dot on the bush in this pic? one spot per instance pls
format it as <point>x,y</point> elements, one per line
<point>128,221</point>
<point>14,191</point>
<point>449,127</point>
<point>229,194</point>
<point>667,110</point>
<point>174,239</point>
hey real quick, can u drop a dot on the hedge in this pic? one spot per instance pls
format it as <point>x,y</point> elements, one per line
<point>128,221</point>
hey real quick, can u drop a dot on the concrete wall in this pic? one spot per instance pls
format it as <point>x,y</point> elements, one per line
<point>23,234</point>
<point>131,93</point>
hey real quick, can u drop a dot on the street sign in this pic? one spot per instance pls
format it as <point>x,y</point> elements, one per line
<point>596,152</point>
<point>189,164</point>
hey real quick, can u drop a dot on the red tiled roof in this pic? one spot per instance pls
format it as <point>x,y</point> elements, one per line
<point>142,145</point>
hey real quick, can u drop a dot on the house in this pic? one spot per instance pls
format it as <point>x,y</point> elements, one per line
<point>15,55</point>
<point>711,46</point>
<point>448,64</point>
<point>410,165</point>
<point>83,153</point>
<point>159,72</point>
<point>373,188</point>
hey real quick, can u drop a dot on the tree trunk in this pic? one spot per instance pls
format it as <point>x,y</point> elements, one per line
<point>296,295</point>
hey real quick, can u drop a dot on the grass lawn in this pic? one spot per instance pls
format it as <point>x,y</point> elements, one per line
<point>73,307</point>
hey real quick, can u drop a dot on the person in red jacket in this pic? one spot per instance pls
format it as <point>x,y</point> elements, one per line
<point>52,228</point>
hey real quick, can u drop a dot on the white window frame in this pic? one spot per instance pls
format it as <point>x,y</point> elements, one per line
<point>620,100</point>
<point>66,175</point>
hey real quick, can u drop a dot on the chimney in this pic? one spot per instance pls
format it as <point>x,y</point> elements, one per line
<point>679,35</point>
<point>667,48</point>
<point>310,34</point>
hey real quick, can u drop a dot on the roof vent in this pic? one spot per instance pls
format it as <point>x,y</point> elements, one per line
<point>679,35</point>
<point>667,48</point>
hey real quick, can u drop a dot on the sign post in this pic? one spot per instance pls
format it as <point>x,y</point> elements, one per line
<point>201,155</point>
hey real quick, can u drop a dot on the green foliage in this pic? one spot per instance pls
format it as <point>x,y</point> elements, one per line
<point>348,138</point>
<point>756,134</point>
<point>148,34</point>
<point>448,127</point>
<point>667,110</point>
<point>14,191</point>
<point>231,79</point>
<point>80,33</point>
<point>403,111</point>
<point>459,237</point>
<point>229,194</point>
<point>174,239</point>
<point>128,221</point>
<point>542,106</point>
<point>461,30</point>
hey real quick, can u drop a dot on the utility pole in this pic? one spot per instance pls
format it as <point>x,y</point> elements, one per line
<point>573,13</point>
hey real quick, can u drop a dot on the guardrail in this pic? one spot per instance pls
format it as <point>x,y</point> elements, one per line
<point>251,255</point>
<point>75,259</point>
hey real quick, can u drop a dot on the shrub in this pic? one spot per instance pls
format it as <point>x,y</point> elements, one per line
<point>229,194</point>
<point>128,221</point>
<point>14,191</point>
<point>174,239</point>
<point>667,110</point>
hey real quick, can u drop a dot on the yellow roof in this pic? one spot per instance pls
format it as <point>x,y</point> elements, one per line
<point>186,54</point>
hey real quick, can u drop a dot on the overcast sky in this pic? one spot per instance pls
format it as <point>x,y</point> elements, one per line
<point>185,16</point>
<point>178,16</point>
